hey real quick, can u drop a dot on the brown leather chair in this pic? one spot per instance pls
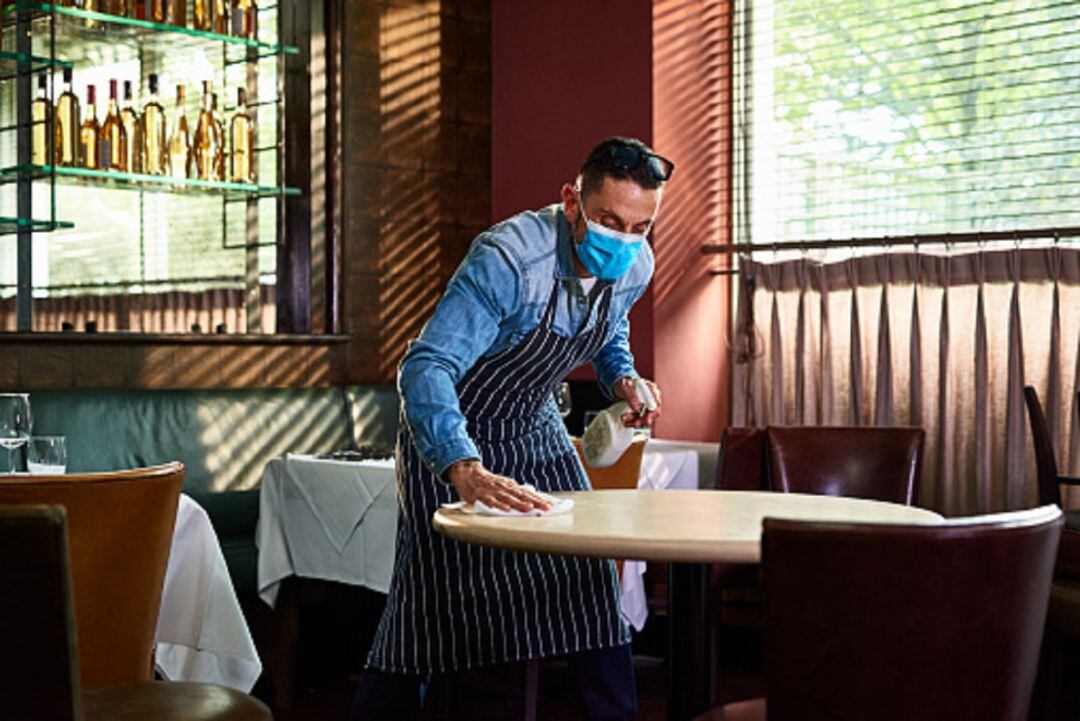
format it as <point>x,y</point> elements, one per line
<point>1050,482</point>
<point>893,622</point>
<point>39,676</point>
<point>121,527</point>
<point>882,464</point>
<point>623,473</point>
<point>741,463</point>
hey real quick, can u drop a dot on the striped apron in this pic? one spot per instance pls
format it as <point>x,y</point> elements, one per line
<point>454,605</point>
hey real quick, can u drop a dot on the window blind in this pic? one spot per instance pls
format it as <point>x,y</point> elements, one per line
<point>868,118</point>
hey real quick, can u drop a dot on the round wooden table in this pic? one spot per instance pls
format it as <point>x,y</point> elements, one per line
<point>686,528</point>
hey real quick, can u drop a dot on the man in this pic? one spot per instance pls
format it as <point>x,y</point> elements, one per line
<point>537,295</point>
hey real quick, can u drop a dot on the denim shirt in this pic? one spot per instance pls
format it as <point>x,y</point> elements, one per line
<point>497,296</point>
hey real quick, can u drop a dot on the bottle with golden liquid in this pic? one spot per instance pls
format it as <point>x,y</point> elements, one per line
<point>207,142</point>
<point>221,16</point>
<point>67,125</point>
<point>220,172</point>
<point>242,140</point>
<point>41,117</point>
<point>179,151</point>
<point>170,12</point>
<point>130,118</point>
<point>114,7</point>
<point>203,11</point>
<point>89,133</point>
<point>113,138</point>
<point>245,19</point>
<point>153,139</point>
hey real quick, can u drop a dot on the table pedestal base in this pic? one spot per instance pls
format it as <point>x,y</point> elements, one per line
<point>690,674</point>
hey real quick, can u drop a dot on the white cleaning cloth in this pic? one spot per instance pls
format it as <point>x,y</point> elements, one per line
<point>558,505</point>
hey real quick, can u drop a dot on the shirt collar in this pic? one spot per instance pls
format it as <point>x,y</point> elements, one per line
<point>564,248</point>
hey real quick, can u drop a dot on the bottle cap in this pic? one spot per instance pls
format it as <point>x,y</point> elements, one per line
<point>153,82</point>
<point>112,89</point>
<point>91,94</point>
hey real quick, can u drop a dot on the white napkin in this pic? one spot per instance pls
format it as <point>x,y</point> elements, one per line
<point>558,506</point>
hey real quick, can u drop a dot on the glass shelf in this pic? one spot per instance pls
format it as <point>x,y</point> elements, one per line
<point>9,226</point>
<point>121,28</point>
<point>9,63</point>
<point>150,183</point>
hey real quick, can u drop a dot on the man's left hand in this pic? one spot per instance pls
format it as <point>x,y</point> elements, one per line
<point>624,388</point>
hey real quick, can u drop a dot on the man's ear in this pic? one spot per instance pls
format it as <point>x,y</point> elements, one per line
<point>570,203</point>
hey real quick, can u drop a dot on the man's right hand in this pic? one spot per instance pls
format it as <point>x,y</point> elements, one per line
<point>475,483</point>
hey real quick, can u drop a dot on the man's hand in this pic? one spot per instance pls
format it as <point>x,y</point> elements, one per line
<point>475,483</point>
<point>624,388</point>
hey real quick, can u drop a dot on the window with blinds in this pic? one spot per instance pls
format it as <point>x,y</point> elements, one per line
<point>867,118</point>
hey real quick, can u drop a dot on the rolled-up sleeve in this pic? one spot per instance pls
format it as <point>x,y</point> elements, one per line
<point>485,288</point>
<point>615,359</point>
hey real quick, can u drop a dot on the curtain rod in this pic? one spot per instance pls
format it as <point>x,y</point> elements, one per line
<point>885,241</point>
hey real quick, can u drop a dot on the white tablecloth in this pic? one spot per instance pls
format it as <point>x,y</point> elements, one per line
<point>664,465</point>
<point>337,520</point>
<point>332,520</point>
<point>201,633</point>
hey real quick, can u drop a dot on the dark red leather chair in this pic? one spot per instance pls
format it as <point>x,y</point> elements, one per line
<point>894,622</point>
<point>882,464</point>
<point>1050,482</point>
<point>741,463</point>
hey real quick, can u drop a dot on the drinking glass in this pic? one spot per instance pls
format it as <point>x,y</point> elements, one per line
<point>46,455</point>
<point>562,399</point>
<point>14,424</point>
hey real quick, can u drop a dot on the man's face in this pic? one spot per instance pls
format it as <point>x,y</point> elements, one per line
<point>621,205</point>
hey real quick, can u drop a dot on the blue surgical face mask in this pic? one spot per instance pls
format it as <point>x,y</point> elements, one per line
<point>604,252</point>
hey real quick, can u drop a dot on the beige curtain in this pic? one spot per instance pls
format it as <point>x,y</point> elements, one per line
<point>167,312</point>
<point>945,342</point>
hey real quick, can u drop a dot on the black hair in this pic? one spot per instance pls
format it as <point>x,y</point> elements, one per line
<point>601,163</point>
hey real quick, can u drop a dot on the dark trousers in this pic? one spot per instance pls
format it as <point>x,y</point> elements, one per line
<point>604,679</point>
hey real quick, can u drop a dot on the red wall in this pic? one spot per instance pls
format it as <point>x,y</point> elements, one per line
<point>566,74</point>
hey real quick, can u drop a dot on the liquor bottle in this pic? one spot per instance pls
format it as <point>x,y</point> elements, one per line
<point>137,9</point>
<point>153,155</point>
<point>221,16</point>
<point>113,138</point>
<point>219,129</point>
<point>88,132</point>
<point>43,132</point>
<point>96,6</point>
<point>245,19</point>
<point>206,138</point>
<point>180,140</point>
<point>203,11</point>
<point>114,7</point>
<point>171,12</point>
<point>130,117</point>
<point>67,125</point>
<point>242,130</point>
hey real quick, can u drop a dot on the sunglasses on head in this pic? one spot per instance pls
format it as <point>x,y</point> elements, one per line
<point>626,157</point>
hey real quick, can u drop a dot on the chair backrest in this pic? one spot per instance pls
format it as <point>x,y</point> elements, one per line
<point>741,465</point>
<point>120,528</point>
<point>38,667</point>
<point>1045,463</point>
<point>882,464</point>
<point>893,622</point>
<point>623,473</point>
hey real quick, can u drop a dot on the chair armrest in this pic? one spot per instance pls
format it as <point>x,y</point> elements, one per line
<point>1069,480</point>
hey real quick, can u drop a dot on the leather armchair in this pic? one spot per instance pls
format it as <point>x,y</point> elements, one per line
<point>1050,482</point>
<point>895,622</point>
<point>882,464</point>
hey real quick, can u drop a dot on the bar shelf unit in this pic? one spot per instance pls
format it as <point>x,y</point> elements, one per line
<point>41,38</point>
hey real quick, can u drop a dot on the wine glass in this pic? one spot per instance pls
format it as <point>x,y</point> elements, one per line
<point>562,398</point>
<point>14,423</point>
